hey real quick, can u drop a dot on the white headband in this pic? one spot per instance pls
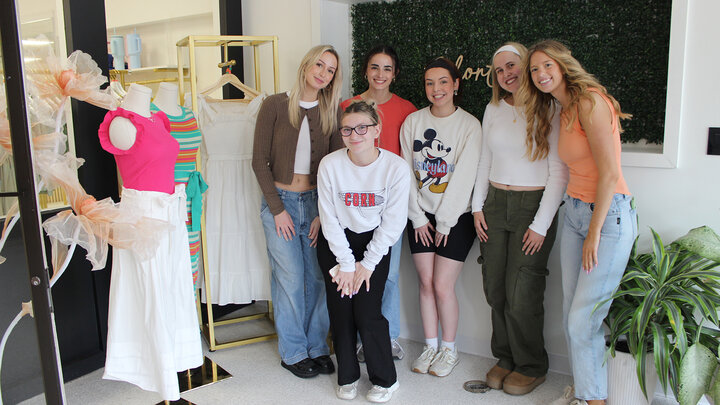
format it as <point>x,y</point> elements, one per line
<point>507,48</point>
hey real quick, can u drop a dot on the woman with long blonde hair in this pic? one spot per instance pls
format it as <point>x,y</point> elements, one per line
<point>294,130</point>
<point>600,220</point>
<point>519,186</point>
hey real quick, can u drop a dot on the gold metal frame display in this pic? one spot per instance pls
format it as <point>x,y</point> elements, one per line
<point>124,76</point>
<point>224,41</point>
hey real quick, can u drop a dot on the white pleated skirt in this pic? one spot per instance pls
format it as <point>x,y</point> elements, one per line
<point>152,323</point>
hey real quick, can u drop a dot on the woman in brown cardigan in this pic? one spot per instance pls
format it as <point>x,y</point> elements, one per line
<point>294,131</point>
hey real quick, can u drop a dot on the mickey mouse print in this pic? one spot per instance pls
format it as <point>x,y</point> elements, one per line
<point>443,153</point>
<point>434,165</point>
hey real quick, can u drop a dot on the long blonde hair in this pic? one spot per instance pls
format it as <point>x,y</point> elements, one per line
<point>539,106</point>
<point>498,93</point>
<point>328,98</point>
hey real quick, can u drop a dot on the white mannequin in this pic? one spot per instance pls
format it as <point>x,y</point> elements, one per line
<point>166,99</point>
<point>122,131</point>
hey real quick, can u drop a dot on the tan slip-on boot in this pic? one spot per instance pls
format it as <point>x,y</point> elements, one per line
<point>518,384</point>
<point>496,375</point>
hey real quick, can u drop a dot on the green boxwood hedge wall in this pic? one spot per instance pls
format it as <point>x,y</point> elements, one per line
<point>624,43</point>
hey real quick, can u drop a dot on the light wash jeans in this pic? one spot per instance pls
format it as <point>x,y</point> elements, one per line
<point>391,297</point>
<point>297,286</point>
<point>582,291</point>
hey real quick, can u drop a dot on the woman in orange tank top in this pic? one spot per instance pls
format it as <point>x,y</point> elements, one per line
<point>600,222</point>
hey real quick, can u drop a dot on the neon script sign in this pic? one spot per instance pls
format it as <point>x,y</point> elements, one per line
<point>469,72</point>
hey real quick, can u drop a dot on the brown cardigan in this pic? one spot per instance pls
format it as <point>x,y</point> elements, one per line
<point>275,144</point>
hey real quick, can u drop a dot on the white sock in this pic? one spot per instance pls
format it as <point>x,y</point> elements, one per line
<point>432,342</point>
<point>449,345</point>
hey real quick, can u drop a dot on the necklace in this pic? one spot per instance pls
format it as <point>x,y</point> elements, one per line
<point>508,101</point>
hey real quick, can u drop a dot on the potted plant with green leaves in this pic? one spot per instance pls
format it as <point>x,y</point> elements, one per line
<point>700,366</point>
<point>667,297</point>
<point>699,375</point>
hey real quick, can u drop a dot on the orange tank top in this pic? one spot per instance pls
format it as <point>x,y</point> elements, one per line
<point>574,150</point>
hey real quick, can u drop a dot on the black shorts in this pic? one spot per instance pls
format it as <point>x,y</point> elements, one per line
<point>459,241</point>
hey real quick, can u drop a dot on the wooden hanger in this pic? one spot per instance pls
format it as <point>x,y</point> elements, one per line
<point>229,78</point>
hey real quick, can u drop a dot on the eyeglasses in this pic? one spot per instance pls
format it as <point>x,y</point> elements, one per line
<point>360,129</point>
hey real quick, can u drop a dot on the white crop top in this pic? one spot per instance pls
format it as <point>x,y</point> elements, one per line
<point>302,151</point>
<point>503,160</point>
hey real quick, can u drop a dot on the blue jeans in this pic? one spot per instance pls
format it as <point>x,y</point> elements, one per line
<point>582,291</point>
<point>391,297</point>
<point>297,286</point>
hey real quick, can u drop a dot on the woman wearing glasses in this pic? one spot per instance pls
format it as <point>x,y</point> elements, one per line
<point>381,67</point>
<point>362,199</point>
<point>442,145</point>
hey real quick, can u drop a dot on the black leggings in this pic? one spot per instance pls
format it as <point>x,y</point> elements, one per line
<point>359,314</point>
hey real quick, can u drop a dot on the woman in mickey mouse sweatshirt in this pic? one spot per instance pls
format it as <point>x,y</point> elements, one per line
<point>441,143</point>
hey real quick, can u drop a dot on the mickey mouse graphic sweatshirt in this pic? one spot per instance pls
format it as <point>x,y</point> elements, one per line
<point>362,198</point>
<point>443,153</point>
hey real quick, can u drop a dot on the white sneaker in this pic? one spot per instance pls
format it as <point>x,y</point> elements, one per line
<point>347,391</point>
<point>397,351</point>
<point>579,402</point>
<point>444,362</point>
<point>360,353</point>
<point>567,397</point>
<point>422,363</point>
<point>381,394</point>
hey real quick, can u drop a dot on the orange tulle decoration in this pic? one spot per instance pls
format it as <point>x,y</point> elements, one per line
<point>91,224</point>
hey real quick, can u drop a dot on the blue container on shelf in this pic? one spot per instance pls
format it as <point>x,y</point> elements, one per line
<point>134,47</point>
<point>117,49</point>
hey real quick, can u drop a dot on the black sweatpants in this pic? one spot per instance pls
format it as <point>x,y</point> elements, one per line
<point>359,314</point>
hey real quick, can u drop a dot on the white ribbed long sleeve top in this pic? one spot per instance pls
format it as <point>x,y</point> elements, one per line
<point>504,160</point>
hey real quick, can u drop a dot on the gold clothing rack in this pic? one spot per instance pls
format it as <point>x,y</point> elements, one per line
<point>224,41</point>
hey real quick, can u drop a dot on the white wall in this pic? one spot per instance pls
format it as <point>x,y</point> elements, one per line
<point>160,26</point>
<point>336,31</point>
<point>159,38</point>
<point>127,12</point>
<point>301,25</point>
<point>292,22</point>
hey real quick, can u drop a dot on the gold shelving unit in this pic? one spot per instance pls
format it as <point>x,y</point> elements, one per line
<point>223,41</point>
<point>159,74</point>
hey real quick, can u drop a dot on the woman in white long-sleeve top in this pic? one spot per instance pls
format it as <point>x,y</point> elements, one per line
<point>362,199</point>
<point>519,186</point>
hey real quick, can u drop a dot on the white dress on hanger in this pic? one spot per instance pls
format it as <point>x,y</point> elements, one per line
<point>237,254</point>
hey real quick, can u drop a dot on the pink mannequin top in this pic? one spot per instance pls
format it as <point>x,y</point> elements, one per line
<point>149,164</point>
